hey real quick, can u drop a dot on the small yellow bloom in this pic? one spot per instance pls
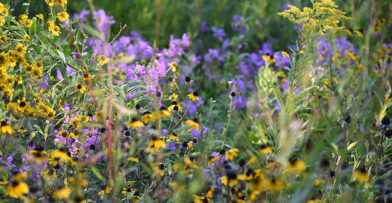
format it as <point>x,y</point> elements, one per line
<point>63,16</point>
<point>80,88</point>
<point>194,96</point>
<point>40,16</point>
<point>26,37</point>
<point>3,39</point>
<point>231,153</point>
<point>173,97</point>
<point>173,65</point>
<point>63,193</point>
<point>136,123</point>
<point>148,117</point>
<point>296,166</point>
<point>102,60</point>
<point>193,124</point>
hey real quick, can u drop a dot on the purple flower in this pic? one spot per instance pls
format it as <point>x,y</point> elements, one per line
<point>103,20</point>
<point>218,33</point>
<point>203,26</point>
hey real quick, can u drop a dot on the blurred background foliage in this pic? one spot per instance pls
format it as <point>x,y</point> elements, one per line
<point>174,17</point>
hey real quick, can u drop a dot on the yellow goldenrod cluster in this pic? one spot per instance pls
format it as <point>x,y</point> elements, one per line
<point>52,3</point>
<point>324,16</point>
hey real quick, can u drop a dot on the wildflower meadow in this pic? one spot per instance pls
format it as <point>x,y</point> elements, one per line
<point>196,101</point>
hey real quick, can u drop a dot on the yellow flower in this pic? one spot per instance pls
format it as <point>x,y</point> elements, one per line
<point>360,175</point>
<point>314,201</point>
<point>136,123</point>
<point>22,130</point>
<point>38,154</point>
<point>23,105</point>
<point>230,179</point>
<point>127,190</point>
<point>56,30</point>
<point>155,145</point>
<point>231,153</point>
<point>296,165</point>
<point>173,65</point>
<point>173,97</point>
<point>62,16</point>
<point>20,49</point>
<point>134,159</point>
<point>174,137</point>
<point>3,39</point>
<point>175,107</point>
<point>26,37</point>
<point>17,190</point>
<point>194,96</point>
<point>265,150</point>
<point>40,16</point>
<point>36,72</point>
<point>61,155</point>
<point>80,88</point>
<point>104,189</point>
<point>50,25</point>
<point>164,112</point>
<point>63,193</point>
<point>193,124</point>
<point>102,60</point>
<point>49,174</point>
<point>275,184</point>
<point>5,128</point>
<point>148,117</point>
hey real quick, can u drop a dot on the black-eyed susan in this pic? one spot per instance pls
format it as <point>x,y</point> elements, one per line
<point>175,106</point>
<point>39,154</point>
<point>275,184</point>
<point>194,96</point>
<point>61,155</point>
<point>22,130</point>
<point>164,112</point>
<point>5,128</point>
<point>102,60</point>
<point>148,117</point>
<point>230,179</point>
<point>127,190</point>
<point>360,175</point>
<point>23,104</point>
<point>49,174</point>
<point>194,124</point>
<point>80,88</point>
<point>104,190</point>
<point>136,123</point>
<point>296,165</point>
<point>174,137</point>
<point>62,16</point>
<point>264,149</point>
<point>78,180</point>
<point>155,145</point>
<point>160,169</point>
<point>62,193</point>
<point>17,189</point>
<point>231,153</point>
